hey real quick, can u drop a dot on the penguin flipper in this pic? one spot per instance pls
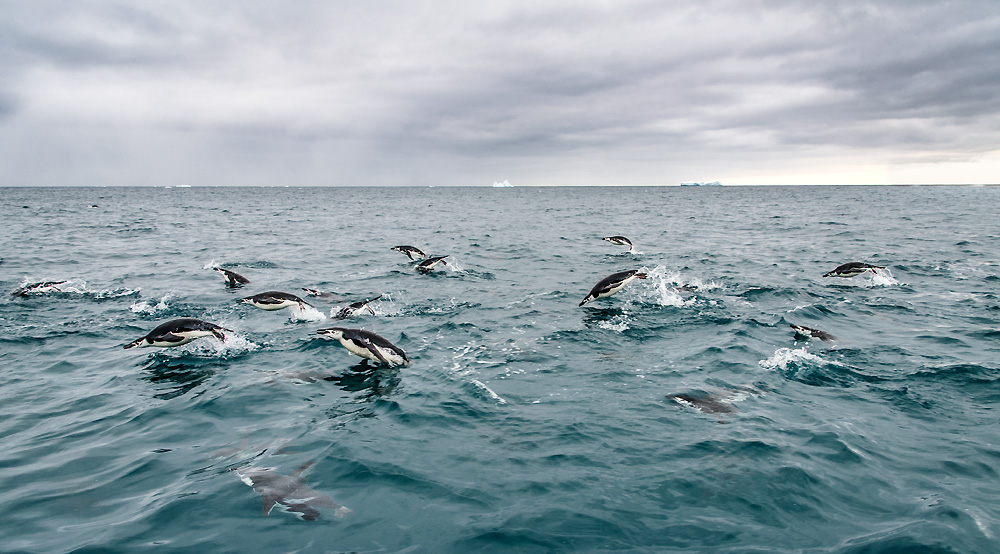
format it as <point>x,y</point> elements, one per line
<point>374,350</point>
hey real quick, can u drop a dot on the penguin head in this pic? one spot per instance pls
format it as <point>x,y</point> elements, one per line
<point>138,342</point>
<point>332,332</point>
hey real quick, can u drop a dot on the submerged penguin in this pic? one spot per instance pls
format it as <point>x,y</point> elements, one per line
<point>274,300</point>
<point>232,278</point>
<point>290,492</point>
<point>620,241</point>
<point>411,252</point>
<point>367,344</point>
<point>177,332</point>
<point>38,288</point>
<point>851,269</point>
<point>612,284</point>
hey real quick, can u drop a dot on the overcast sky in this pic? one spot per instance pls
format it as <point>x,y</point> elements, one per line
<point>538,92</point>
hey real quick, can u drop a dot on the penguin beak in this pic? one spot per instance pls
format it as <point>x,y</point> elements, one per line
<point>134,343</point>
<point>640,276</point>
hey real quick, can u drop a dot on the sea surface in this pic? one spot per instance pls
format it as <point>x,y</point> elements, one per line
<point>523,422</point>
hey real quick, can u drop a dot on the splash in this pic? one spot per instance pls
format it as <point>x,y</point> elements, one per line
<point>143,307</point>
<point>617,323</point>
<point>667,286</point>
<point>784,356</point>
<point>880,278</point>
<point>306,313</point>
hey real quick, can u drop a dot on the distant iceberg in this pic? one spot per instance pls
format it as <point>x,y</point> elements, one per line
<point>702,184</point>
<point>504,184</point>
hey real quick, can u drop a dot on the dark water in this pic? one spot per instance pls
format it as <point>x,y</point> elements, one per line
<point>523,423</point>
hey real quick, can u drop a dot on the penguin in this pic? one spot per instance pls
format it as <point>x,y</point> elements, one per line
<point>354,308</point>
<point>38,288</point>
<point>233,279</point>
<point>429,263</point>
<point>289,492</point>
<point>319,293</point>
<point>367,344</point>
<point>273,300</point>
<point>620,241</point>
<point>411,252</point>
<point>177,332</point>
<point>612,284</point>
<point>851,269</point>
<point>802,330</point>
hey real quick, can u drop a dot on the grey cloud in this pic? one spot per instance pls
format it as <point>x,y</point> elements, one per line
<point>337,88</point>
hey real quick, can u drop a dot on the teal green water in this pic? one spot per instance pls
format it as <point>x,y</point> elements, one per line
<point>523,422</point>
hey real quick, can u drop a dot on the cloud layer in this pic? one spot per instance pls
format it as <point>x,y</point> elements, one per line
<point>539,93</point>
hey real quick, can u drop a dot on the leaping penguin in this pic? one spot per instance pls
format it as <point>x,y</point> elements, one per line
<point>232,278</point>
<point>353,309</point>
<point>620,241</point>
<point>612,284</point>
<point>851,269</point>
<point>177,332</point>
<point>429,263</point>
<point>411,252</point>
<point>802,330</point>
<point>273,300</point>
<point>367,345</point>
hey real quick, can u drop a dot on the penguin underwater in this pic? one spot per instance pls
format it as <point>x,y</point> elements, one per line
<point>290,492</point>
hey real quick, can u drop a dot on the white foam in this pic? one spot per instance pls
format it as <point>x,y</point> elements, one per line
<point>234,345</point>
<point>143,307</point>
<point>880,278</point>
<point>306,313</point>
<point>784,356</point>
<point>618,323</point>
<point>664,287</point>
<point>489,391</point>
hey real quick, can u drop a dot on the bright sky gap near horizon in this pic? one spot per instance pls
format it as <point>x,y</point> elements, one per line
<point>535,93</point>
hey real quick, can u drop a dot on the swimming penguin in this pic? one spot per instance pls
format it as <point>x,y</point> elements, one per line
<point>353,309</point>
<point>232,278</point>
<point>620,241</point>
<point>38,288</point>
<point>802,330</point>
<point>289,492</point>
<point>612,284</point>
<point>710,403</point>
<point>851,269</point>
<point>177,332</point>
<point>411,252</point>
<point>319,293</point>
<point>368,345</point>
<point>429,263</point>
<point>273,300</point>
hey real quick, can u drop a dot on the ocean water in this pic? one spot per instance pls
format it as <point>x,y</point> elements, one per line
<point>523,422</point>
